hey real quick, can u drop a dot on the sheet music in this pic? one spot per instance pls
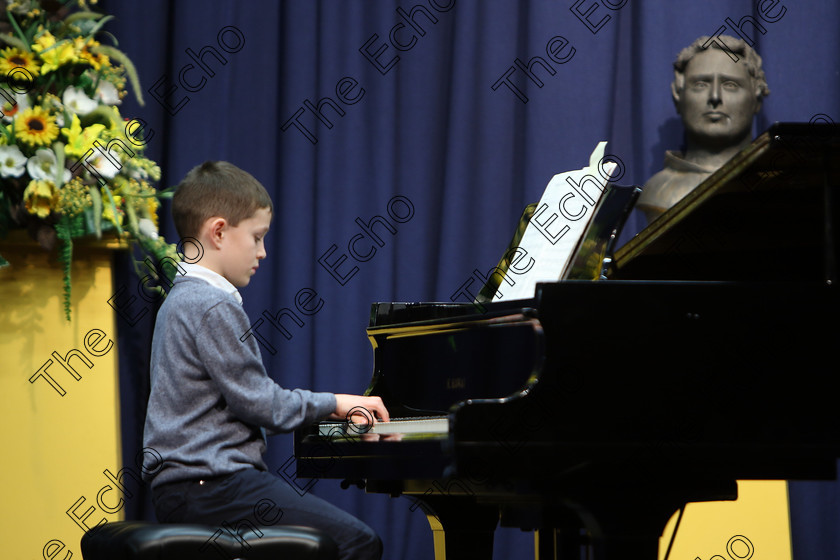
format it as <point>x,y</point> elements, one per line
<point>556,228</point>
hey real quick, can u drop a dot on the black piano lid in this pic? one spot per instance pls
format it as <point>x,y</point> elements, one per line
<point>769,214</point>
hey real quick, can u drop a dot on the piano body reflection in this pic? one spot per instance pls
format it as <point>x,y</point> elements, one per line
<point>594,411</point>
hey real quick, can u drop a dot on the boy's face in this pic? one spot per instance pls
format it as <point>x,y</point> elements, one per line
<point>243,247</point>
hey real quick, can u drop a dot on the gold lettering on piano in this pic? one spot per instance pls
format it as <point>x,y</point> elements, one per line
<point>456,383</point>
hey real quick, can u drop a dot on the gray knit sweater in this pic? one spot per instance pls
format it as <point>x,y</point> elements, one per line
<point>210,394</point>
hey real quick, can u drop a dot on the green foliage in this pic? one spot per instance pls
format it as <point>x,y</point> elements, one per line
<point>65,230</point>
<point>65,257</point>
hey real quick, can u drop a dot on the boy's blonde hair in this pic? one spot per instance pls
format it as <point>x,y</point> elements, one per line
<point>216,188</point>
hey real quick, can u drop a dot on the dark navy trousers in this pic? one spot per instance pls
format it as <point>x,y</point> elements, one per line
<point>256,498</point>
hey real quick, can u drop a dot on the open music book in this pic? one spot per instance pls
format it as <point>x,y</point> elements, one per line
<point>554,234</point>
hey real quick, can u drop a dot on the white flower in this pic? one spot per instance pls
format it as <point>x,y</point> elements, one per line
<point>104,166</point>
<point>9,110</point>
<point>107,93</point>
<point>12,162</point>
<point>76,101</point>
<point>41,166</point>
<point>136,172</point>
<point>147,228</point>
<point>58,109</point>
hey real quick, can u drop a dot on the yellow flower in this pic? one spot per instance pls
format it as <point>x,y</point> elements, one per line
<point>53,54</point>
<point>152,205</point>
<point>80,140</point>
<point>12,58</point>
<point>108,210</point>
<point>38,197</point>
<point>140,195</point>
<point>36,127</point>
<point>74,198</point>
<point>84,54</point>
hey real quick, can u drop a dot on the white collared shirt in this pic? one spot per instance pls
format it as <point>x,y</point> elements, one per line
<point>213,278</point>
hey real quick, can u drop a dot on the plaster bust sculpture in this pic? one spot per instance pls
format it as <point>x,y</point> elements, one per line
<point>716,98</point>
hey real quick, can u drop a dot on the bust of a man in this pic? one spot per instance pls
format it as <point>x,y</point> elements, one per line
<point>716,98</point>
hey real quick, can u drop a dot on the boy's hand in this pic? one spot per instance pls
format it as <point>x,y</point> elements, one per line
<point>365,411</point>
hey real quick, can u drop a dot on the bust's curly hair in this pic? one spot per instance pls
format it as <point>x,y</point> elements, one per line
<point>737,47</point>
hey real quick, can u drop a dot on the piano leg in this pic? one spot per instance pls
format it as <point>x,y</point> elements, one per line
<point>558,531</point>
<point>557,544</point>
<point>462,529</point>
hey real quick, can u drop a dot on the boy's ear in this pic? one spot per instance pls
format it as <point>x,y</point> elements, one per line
<point>216,228</point>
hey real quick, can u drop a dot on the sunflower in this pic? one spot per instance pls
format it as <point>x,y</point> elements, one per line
<point>36,127</point>
<point>12,58</point>
<point>11,104</point>
<point>84,54</point>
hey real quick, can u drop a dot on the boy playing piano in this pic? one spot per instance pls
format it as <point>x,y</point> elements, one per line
<point>211,400</point>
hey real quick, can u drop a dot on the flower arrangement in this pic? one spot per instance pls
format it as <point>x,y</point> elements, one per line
<point>70,165</point>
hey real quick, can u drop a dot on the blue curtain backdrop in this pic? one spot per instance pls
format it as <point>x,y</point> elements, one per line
<point>440,120</point>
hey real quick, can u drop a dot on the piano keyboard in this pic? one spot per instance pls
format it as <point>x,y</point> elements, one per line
<point>416,425</point>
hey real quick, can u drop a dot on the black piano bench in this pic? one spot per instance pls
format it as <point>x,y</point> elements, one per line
<point>134,540</point>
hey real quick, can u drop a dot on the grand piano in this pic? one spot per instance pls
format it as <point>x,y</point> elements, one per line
<point>698,354</point>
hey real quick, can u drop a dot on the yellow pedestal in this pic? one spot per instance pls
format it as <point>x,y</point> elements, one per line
<point>756,525</point>
<point>59,425</point>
